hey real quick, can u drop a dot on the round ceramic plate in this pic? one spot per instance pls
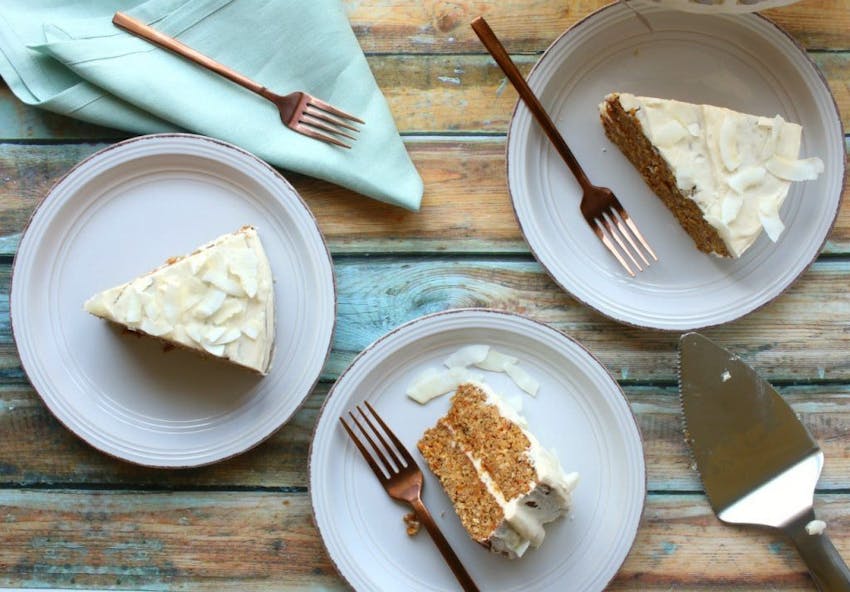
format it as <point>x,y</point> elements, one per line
<point>122,212</point>
<point>743,62</point>
<point>580,412</point>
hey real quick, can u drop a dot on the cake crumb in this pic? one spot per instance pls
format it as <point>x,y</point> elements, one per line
<point>725,376</point>
<point>815,527</point>
<point>413,524</point>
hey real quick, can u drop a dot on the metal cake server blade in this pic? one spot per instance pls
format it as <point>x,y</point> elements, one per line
<point>758,463</point>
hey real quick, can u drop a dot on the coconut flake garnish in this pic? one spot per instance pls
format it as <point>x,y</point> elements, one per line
<point>729,144</point>
<point>467,356</point>
<point>730,208</point>
<point>522,379</point>
<point>805,169</point>
<point>746,177</point>
<point>433,382</point>
<point>496,361</point>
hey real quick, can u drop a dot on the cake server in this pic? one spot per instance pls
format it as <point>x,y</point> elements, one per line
<point>758,463</point>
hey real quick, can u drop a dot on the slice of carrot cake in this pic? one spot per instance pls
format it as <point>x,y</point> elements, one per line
<point>217,300</point>
<point>723,174</point>
<point>504,485</point>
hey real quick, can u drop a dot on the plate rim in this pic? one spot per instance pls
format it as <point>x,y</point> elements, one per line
<point>487,311</point>
<point>218,143</point>
<point>614,5</point>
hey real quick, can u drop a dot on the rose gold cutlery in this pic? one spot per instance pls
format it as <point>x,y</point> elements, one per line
<point>402,479</point>
<point>600,207</point>
<point>299,111</point>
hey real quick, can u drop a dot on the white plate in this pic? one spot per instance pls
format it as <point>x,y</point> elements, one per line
<point>579,411</point>
<point>122,212</point>
<point>743,62</point>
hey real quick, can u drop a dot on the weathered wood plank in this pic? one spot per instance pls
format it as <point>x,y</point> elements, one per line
<point>801,336</point>
<point>39,451</point>
<point>466,208</point>
<point>440,26</point>
<point>260,540</point>
<point>431,94</point>
<point>246,541</point>
<point>681,545</point>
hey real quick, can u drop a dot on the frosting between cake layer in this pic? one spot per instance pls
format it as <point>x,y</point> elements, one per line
<point>550,496</point>
<point>736,167</point>
<point>218,299</point>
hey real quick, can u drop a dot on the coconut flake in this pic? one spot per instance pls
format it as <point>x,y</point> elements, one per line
<point>669,133</point>
<point>731,207</point>
<point>467,356</point>
<point>773,226</point>
<point>522,379</point>
<point>805,169</point>
<point>729,144</point>
<point>229,336</point>
<point>746,177</point>
<point>496,361</point>
<point>769,148</point>
<point>210,303</point>
<point>220,279</point>
<point>439,382</point>
<point>216,350</point>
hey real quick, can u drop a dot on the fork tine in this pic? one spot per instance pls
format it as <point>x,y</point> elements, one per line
<point>618,232</point>
<point>405,453</point>
<point>366,454</point>
<point>302,129</point>
<point>331,109</point>
<point>387,466</point>
<point>318,124</point>
<point>625,231</point>
<point>627,219</point>
<point>387,448</point>
<point>615,234</point>
<point>325,116</point>
<point>610,246</point>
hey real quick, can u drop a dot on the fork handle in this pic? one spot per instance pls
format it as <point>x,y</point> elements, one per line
<point>139,28</point>
<point>500,55</point>
<point>460,572</point>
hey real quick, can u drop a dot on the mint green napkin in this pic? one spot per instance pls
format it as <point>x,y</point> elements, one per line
<point>68,57</point>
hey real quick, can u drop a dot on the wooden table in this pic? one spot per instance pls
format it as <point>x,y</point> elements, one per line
<point>72,517</point>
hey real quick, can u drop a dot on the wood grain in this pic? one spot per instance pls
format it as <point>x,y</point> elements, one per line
<point>466,207</point>
<point>442,26</point>
<point>40,452</point>
<point>801,336</point>
<point>263,540</point>
<point>428,95</point>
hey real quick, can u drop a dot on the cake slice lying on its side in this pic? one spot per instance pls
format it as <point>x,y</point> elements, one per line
<point>218,301</point>
<point>504,485</point>
<point>722,173</point>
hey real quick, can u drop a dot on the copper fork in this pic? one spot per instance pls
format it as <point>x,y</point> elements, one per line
<point>600,207</point>
<point>299,111</point>
<point>402,479</point>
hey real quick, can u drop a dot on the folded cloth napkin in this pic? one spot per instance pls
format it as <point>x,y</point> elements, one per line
<point>68,57</point>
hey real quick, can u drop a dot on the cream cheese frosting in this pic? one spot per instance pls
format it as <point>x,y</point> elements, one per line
<point>736,167</point>
<point>549,498</point>
<point>218,300</point>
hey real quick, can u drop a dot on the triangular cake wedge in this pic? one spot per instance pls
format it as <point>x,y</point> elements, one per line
<point>724,174</point>
<point>217,300</point>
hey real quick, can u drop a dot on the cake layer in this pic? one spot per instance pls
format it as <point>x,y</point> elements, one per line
<point>218,300</point>
<point>724,174</point>
<point>503,484</point>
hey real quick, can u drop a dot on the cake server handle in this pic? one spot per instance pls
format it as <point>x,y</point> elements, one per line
<point>456,566</point>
